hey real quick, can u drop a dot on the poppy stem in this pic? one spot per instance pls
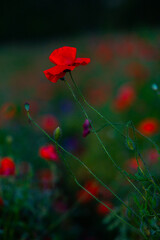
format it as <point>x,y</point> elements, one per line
<point>83,164</point>
<point>106,120</point>
<point>101,143</point>
<point>99,201</point>
<point>119,169</point>
<point>111,124</point>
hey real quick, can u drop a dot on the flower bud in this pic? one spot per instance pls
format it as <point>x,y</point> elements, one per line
<point>130,144</point>
<point>57,133</point>
<point>86,128</point>
<point>27,106</point>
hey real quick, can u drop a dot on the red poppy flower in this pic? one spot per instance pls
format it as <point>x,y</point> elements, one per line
<point>104,52</point>
<point>133,165</point>
<point>65,60</point>
<point>153,156</point>
<point>125,98</point>
<point>7,167</point>
<point>102,210</point>
<point>49,123</point>
<point>46,179</point>
<point>125,47</point>
<point>8,111</point>
<point>148,126</point>
<point>137,71</point>
<point>48,153</point>
<point>91,187</point>
<point>98,95</point>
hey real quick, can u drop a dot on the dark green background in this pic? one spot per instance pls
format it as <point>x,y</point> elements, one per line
<point>43,19</point>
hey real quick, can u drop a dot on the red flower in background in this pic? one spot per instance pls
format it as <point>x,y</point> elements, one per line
<point>7,112</point>
<point>133,165</point>
<point>7,167</point>
<point>125,47</point>
<point>98,95</point>
<point>104,52</point>
<point>49,123</point>
<point>48,153</point>
<point>65,60</point>
<point>153,156</point>
<point>46,179</point>
<point>137,71</point>
<point>90,186</point>
<point>125,98</point>
<point>149,126</point>
<point>102,210</point>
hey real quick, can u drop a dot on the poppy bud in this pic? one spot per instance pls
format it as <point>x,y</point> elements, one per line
<point>86,128</point>
<point>130,144</point>
<point>57,133</point>
<point>27,106</point>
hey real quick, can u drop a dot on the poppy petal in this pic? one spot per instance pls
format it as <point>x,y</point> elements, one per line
<point>81,61</point>
<point>63,56</point>
<point>57,72</point>
<point>51,76</point>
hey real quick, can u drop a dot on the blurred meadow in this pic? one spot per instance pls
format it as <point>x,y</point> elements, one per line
<point>38,197</point>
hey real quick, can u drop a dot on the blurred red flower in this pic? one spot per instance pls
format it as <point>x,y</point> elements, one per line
<point>148,126</point>
<point>133,165</point>
<point>125,98</point>
<point>137,71</point>
<point>48,153</point>
<point>102,210</point>
<point>104,52</point>
<point>98,95</point>
<point>7,112</point>
<point>65,60</point>
<point>7,167</point>
<point>153,156</point>
<point>125,47</point>
<point>46,179</point>
<point>146,50</point>
<point>49,123</point>
<point>90,186</point>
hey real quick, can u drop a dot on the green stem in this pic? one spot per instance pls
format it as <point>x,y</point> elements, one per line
<point>80,93</point>
<point>150,140</point>
<point>100,141</point>
<point>111,124</point>
<point>77,182</point>
<point>82,163</point>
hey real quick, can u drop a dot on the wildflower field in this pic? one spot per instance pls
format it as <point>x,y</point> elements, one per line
<point>79,139</point>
